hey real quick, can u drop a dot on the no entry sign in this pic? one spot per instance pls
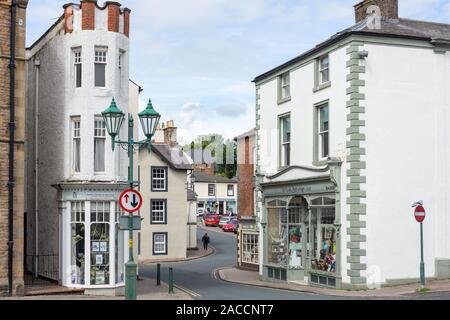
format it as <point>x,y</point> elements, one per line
<point>419,213</point>
<point>130,201</point>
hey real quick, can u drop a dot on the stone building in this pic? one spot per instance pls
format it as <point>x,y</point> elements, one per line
<point>12,83</point>
<point>74,70</point>
<point>248,235</point>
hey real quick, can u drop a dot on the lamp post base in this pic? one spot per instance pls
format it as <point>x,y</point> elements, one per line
<point>130,280</point>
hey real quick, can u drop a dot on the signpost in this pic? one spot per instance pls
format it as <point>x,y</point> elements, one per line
<point>419,214</point>
<point>130,200</point>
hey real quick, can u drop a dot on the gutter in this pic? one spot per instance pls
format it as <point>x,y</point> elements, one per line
<point>12,127</point>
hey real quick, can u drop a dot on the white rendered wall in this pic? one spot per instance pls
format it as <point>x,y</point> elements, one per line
<point>201,188</point>
<point>408,143</point>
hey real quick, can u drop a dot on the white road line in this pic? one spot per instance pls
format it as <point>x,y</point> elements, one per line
<point>188,291</point>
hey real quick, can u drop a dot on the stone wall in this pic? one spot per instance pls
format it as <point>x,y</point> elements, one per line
<point>5,12</point>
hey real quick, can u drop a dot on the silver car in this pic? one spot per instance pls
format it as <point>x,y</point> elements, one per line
<point>224,220</point>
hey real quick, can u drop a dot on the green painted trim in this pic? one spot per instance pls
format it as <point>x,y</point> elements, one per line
<point>353,144</point>
<point>353,200</point>
<point>358,266</point>
<point>353,172</point>
<point>358,238</point>
<point>322,86</point>
<point>360,179</point>
<point>354,158</point>
<point>357,109</point>
<point>357,224</point>
<point>354,231</point>
<point>358,280</point>
<point>358,252</point>
<point>358,136</point>
<point>352,63</point>
<point>353,186</point>
<point>358,194</point>
<point>353,217</point>
<point>351,130</point>
<point>357,151</point>
<point>353,245</point>
<point>358,165</point>
<point>358,209</point>
<point>354,273</point>
<point>353,260</point>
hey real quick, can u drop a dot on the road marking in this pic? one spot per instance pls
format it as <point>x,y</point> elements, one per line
<point>188,291</point>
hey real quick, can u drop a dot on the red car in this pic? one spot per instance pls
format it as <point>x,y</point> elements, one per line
<point>230,226</point>
<point>212,220</point>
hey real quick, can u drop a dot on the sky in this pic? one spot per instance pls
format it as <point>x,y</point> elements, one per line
<point>196,59</point>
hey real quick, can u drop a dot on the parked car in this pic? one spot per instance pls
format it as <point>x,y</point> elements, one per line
<point>230,226</point>
<point>224,220</point>
<point>212,220</point>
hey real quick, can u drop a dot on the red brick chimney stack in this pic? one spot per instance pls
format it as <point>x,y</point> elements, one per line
<point>126,22</point>
<point>88,14</point>
<point>113,15</point>
<point>389,9</point>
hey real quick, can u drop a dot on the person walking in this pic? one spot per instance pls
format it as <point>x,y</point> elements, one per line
<point>205,241</point>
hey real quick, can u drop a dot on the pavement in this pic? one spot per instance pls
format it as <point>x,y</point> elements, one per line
<point>235,275</point>
<point>146,290</point>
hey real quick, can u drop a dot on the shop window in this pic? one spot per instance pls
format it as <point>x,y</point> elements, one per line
<point>77,256</point>
<point>100,246</point>
<point>285,234</point>
<point>250,248</point>
<point>119,254</point>
<point>323,235</point>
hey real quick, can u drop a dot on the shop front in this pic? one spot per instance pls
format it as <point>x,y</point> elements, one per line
<point>301,231</point>
<point>93,248</point>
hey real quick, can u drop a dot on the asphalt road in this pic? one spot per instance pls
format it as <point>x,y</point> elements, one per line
<point>197,276</point>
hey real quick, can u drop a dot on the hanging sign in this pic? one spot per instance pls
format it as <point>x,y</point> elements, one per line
<point>130,201</point>
<point>419,214</point>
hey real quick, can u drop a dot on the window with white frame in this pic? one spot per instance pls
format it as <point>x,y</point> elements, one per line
<point>285,86</point>
<point>76,144</point>
<point>211,189</point>
<point>324,69</point>
<point>77,256</point>
<point>77,67</point>
<point>99,145</point>
<point>100,66</point>
<point>250,248</point>
<point>285,143</point>
<point>230,190</point>
<point>158,211</point>
<point>323,126</point>
<point>159,179</point>
<point>159,243</point>
<point>100,244</point>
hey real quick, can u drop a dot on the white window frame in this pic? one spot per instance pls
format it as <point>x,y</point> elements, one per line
<point>230,189</point>
<point>285,145</point>
<point>76,138</point>
<point>100,133</point>
<point>285,87</point>
<point>77,61</point>
<point>211,194</point>
<point>250,248</point>
<point>156,243</point>
<point>100,57</point>
<point>323,69</point>
<point>158,178</point>
<point>161,213</point>
<point>322,133</point>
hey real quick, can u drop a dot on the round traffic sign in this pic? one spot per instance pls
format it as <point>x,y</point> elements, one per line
<point>419,213</point>
<point>130,201</point>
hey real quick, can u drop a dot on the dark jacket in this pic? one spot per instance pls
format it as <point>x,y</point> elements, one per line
<point>205,239</point>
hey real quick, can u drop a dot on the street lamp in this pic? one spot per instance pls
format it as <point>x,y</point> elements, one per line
<point>113,118</point>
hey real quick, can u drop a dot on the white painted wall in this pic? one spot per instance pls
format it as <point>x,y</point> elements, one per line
<point>201,188</point>
<point>408,145</point>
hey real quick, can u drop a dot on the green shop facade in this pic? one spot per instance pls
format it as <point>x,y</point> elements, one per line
<point>301,226</point>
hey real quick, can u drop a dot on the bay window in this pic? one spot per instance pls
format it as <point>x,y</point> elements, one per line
<point>99,145</point>
<point>100,66</point>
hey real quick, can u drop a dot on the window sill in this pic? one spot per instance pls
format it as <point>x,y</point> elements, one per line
<point>281,101</point>
<point>160,223</point>
<point>320,163</point>
<point>322,86</point>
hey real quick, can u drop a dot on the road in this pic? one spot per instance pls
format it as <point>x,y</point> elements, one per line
<point>197,276</point>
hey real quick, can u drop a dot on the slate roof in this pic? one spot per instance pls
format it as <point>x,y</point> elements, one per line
<point>397,28</point>
<point>202,177</point>
<point>173,156</point>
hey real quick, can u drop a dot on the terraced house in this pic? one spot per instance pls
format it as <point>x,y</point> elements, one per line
<point>349,135</point>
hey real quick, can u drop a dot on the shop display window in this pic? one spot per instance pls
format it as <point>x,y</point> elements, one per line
<point>100,246</point>
<point>77,242</point>
<point>324,235</point>
<point>250,248</point>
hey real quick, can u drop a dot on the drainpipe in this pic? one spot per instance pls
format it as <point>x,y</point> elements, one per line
<point>37,64</point>
<point>12,125</point>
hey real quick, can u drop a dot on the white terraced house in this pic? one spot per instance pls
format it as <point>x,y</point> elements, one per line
<point>74,179</point>
<point>349,135</point>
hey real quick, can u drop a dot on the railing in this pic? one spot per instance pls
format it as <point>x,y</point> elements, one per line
<point>41,270</point>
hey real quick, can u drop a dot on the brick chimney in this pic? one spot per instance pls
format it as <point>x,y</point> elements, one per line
<point>88,14</point>
<point>389,9</point>
<point>170,134</point>
<point>113,15</point>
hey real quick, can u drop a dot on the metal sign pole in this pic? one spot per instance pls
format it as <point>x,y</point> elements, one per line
<point>422,263</point>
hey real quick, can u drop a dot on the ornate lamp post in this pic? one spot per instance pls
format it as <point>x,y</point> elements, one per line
<point>113,118</point>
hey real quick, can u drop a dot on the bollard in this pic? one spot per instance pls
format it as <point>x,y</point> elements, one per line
<point>170,280</point>
<point>158,274</point>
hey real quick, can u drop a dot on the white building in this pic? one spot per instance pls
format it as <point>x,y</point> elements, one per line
<point>349,135</point>
<point>74,177</point>
<point>214,193</point>
<point>169,224</point>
